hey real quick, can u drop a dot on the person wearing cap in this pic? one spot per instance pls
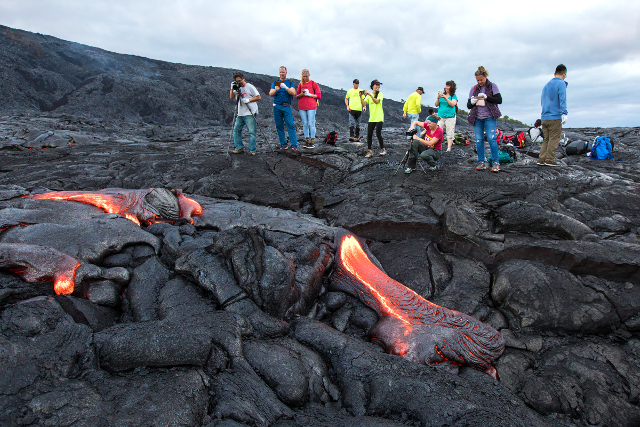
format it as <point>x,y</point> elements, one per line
<point>355,103</point>
<point>376,117</point>
<point>282,91</point>
<point>247,109</point>
<point>429,148</point>
<point>413,106</point>
<point>447,103</point>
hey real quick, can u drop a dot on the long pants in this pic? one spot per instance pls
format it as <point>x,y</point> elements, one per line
<point>354,122</point>
<point>378,127</point>
<point>428,154</point>
<point>308,122</point>
<point>282,115</point>
<point>237,132</point>
<point>552,130</point>
<point>414,118</point>
<point>479,128</point>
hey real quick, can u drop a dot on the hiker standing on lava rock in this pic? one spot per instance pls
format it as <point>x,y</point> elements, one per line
<point>483,116</point>
<point>447,104</point>
<point>308,93</point>
<point>428,149</point>
<point>376,117</point>
<point>282,91</point>
<point>355,104</point>
<point>554,115</point>
<point>413,106</point>
<point>247,110</point>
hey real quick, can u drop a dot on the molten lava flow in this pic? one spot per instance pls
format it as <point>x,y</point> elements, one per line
<point>36,263</point>
<point>409,325</point>
<point>140,206</point>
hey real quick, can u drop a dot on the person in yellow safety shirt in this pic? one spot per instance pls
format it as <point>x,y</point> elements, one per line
<point>354,100</point>
<point>412,107</point>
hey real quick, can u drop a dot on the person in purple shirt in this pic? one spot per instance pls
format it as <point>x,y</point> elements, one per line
<point>483,102</point>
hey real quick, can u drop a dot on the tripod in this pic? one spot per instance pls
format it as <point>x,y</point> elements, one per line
<point>235,116</point>
<point>403,162</point>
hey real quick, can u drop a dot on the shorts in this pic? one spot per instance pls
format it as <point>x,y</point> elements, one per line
<point>450,124</point>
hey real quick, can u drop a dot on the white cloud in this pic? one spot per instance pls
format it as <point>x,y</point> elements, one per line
<point>404,44</point>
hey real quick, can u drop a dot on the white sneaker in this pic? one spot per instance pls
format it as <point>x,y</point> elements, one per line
<point>448,149</point>
<point>369,154</point>
<point>383,152</point>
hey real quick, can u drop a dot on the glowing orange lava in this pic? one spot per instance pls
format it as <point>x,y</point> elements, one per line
<point>64,281</point>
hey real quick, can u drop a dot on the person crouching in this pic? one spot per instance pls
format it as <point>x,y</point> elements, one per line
<point>429,148</point>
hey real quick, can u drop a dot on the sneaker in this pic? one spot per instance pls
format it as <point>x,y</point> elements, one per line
<point>253,153</point>
<point>240,151</point>
<point>294,148</point>
<point>496,167</point>
<point>551,164</point>
<point>369,154</point>
<point>352,138</point>
<point>356,138</point>
<point>540,164</point>
<point>383,152</point>
<point>283,147</point>
<point>432,168</point>
<point>481,166</point>
<point>409,170</point>
<point>448,149</point>
<point>309,146</point>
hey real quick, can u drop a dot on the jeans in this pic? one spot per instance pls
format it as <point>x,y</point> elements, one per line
<point>414,118</point>
<point>237,132</point>
<point>479,128</point>
<point>308,122</point>
<point>354,121</point>
<point>282,115</point>
<point>552,130</point>
<point>428,154</point>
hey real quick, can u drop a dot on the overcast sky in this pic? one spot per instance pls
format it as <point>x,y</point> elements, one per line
<point>403,44</point>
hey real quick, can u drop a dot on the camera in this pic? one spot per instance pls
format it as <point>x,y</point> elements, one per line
<point>411,132</point>
<point>236,85</point>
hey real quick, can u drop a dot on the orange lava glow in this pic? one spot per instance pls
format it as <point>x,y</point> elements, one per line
<point>358,263</point>
<point>64,281</point>
<point>107,203</point>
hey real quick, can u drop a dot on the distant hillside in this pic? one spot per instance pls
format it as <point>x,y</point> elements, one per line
<point>45,74</point>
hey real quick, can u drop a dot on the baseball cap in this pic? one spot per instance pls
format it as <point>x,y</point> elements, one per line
<point>420,88</point>
<point>375,82</point>
<point>356,81</point>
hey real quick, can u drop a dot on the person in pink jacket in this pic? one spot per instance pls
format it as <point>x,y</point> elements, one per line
<point>308,94</point>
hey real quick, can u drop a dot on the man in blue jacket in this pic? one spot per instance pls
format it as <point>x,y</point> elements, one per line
<point>554,115</point>
<point>283,91</point>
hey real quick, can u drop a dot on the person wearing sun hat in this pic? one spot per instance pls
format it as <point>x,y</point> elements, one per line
<point>430,148</point>
<point>376,117</point>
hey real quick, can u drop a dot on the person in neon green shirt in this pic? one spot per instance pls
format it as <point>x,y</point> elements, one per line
<point>376,117</point>
<point>413,106</point>
<point>354,103</point>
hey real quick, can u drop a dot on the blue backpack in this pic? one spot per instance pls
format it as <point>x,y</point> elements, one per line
<point>601,148</point>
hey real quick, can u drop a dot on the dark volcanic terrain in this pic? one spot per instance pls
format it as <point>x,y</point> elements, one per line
<point>233,321</point>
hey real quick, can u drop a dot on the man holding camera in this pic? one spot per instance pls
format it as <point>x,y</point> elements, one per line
<point>413,106</point>
<point>355,105</point>
<point>429,148</point>
<point>247,109</point>
<point>282,91</point>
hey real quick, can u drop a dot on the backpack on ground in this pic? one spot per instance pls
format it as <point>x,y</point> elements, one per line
<point>332,138</point>
<point>519,140</point>
<point>459,139</point>
<point>602,148</point>
<point>504,157</point>
<point>576,147</point>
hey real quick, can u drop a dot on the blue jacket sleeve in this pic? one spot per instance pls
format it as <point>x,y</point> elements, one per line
<point>562,98</point>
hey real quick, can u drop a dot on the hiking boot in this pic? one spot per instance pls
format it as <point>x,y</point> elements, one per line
<point>496,167</point>
<point>481,166</point>
<point>409,170</point>
<point>551,164</point>
<point>369,154</point>
<point>239,151</point>
<point>352,138</point>
<point>383,152</point>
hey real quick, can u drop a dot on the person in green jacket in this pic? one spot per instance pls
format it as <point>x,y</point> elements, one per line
<point>376,117</point>
<point>413,106</point>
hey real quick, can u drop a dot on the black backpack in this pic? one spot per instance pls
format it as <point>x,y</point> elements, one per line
<point>332,138</point>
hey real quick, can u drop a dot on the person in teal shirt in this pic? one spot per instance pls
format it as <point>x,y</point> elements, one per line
<point>376,117</point>
<point>447,103</point>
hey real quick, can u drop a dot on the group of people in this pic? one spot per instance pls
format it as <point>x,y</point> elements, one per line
<point>427,141</point>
